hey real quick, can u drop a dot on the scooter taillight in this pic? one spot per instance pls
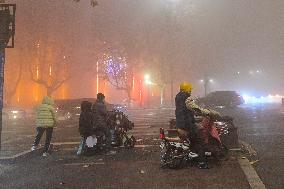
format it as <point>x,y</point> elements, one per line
<point>162,133</point>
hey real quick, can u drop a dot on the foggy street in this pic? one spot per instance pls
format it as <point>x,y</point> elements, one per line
<point>256,125</point>
<point>128,94</point>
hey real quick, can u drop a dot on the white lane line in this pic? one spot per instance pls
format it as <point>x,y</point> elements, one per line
<point>85,164</point>
<point>70,143</point>
<point>19,154</point>
<point>142,127</point>
<point>64,143</point>
<point>252,177</point>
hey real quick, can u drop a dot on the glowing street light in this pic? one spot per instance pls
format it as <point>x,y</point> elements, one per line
<point>206,82</point>
<point>148,80</point>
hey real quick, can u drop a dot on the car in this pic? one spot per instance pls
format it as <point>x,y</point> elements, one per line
<point>222,99</point>
<point>71,108</point>
<point>14,113</point>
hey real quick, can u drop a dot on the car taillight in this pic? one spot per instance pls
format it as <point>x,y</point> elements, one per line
<point>162,133</point>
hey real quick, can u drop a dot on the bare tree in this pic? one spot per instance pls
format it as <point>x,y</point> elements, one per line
<point>117,71</point>
<point>50,67</point>
<point>13,82</point>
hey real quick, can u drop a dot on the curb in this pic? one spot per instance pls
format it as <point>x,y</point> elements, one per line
<point>251,175</point>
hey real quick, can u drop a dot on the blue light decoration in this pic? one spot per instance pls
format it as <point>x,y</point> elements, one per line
<point>114,66</point>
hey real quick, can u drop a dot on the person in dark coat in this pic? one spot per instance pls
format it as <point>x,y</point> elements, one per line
<point>100,117</point>
<point>185,122</point>
<point>86,122</point>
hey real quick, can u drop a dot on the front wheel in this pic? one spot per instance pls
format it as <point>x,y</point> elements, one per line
<point>170,158</point>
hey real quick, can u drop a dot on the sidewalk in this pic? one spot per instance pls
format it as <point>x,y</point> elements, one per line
<point>136,168</point>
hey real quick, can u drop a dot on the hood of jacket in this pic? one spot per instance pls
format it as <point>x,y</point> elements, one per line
<point>47,100</point>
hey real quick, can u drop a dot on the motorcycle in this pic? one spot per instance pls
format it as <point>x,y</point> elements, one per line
<point>119,126</point>
<point>175,151</point>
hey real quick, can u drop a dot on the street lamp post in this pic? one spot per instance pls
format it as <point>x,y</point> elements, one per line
<point>206,83</point>
<point>7,32</point>
<point>172,5</point>
<point>149,83</point>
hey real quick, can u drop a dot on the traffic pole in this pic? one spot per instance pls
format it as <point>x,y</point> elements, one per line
<point>2,63</point>
<point>7,33</point>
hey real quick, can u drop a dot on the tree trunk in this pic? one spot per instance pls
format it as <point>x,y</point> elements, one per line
<point>129,97</point>
<point>49,91</point>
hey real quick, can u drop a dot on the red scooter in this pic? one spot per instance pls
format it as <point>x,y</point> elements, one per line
<point>175,150</point>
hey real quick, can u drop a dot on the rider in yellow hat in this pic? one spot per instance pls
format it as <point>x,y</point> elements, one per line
<point>185,121</point>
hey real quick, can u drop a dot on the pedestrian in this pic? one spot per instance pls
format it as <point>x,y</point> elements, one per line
<point>45,122</point>
<point>100,118</point>
<point>86,120</point>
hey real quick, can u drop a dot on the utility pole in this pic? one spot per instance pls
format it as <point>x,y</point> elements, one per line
<point>206,81</point>
<point>205,86</point>
<point>7,32</point>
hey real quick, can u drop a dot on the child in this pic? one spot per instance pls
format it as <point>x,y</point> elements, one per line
<point>85,124</point>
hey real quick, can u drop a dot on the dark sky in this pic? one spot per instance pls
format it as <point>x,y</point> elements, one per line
<point>201,37</point>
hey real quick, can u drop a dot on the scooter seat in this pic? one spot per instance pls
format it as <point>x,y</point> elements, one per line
<point>173,139</point>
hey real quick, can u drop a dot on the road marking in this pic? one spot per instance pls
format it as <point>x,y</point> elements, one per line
<point>19,154</point>
<point>85,164</point>
<point>144,146</point>
<point>58,144</point>
<point>252,177</point>
<point>142,127</point>
<point>136,134</point>
<point>64,143</point>
<point>70,143</point>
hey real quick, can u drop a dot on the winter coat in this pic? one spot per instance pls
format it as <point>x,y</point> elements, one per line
<point>184,117</point>
<point>100,114</point>
<point>86,119</point>
<point>45,113</point>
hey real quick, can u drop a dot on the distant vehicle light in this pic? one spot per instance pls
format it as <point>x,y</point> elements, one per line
<point>263,99</point>
<point>15,111</point>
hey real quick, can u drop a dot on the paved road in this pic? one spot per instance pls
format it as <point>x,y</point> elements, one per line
<point>260,126</point>
<point>136,168</point>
